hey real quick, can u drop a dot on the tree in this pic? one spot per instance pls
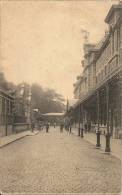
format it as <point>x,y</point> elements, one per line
<point>46,100</point>
<point>4,84</point>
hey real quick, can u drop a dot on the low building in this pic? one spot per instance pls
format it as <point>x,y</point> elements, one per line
<point>52,118</point>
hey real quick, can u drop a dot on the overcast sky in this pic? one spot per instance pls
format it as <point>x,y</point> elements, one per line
<point>41,41</point>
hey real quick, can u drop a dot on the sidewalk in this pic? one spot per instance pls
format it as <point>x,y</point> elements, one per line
<point>11,138</point>
<point>116,144</point>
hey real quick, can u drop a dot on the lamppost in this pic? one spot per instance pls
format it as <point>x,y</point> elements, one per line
<point>79,120</point>
<point>6,117</point>
<point>98,145</point>
<point>82,123</point>
<point>107,149</point>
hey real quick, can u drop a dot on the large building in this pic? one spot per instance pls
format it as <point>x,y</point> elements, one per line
<point>99,87</point>
<point>15,108</point>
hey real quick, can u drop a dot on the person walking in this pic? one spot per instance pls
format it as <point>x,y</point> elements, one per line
<point>61,128</point>
<point>85,127</point>
<point>70,128</point>
<point>32,126</point>
<point>47,128</point>
<point>54,125</point>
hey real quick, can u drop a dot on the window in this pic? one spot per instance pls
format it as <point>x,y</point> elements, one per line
<point>11,107</point>
<point>112,43</point>
<point>0,105</point>
<point>7,106</point>
<point>3,105</point>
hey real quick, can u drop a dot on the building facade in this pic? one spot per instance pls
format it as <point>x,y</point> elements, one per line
<point>22,107</point>
<point>52,118</point>
<point>99,86</point>
<point>6,114</point>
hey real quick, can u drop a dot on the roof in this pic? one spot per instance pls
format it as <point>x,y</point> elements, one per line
<point>6,93</point>
<point>112,9</point>
<point>53,114</point>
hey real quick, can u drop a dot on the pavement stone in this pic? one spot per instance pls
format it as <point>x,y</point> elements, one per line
<point>56,163</point>
<point>115,144</point>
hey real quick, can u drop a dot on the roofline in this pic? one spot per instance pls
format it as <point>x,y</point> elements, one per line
<point>112,9</point>
<point>5,93</point>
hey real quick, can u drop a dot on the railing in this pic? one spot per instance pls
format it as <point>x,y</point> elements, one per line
<point>110,69</point>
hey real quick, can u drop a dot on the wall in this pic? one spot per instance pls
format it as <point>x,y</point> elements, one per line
<point>3,130</point>
<point>19,127</point>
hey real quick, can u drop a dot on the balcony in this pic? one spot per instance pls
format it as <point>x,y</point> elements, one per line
<point>111,68</point>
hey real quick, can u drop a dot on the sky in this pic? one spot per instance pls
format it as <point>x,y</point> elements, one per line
<point>41,41</point>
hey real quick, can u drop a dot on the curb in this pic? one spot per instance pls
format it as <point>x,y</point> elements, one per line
<point>1,146</point>
<point>33,133</point>
<point>12,141</point>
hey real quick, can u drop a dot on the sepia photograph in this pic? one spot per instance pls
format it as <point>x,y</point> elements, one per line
<point>60,97</point>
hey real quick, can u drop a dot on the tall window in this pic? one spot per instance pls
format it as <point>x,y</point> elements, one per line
<point>11,107</point>
<point>0,105</point>
<point>3,105</point>
<point>118,38</point>
<point>112,43</point>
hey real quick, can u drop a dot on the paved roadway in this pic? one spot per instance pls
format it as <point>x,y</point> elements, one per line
<point>57,162</point>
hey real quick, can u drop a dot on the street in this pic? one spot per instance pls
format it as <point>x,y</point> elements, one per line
<point>57,162</point>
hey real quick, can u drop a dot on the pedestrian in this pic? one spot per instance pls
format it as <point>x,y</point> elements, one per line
<point>47,128</point>
<point>85,127</point>
<point>40,126</point>
<point>32,126</point>
<point>89,126</point>
<point>70,128</point>
<point>61,128</point>
<point>54,125</point>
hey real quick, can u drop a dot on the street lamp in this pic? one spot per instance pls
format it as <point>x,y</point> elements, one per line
<point>82,123</point>
<point>98,145</point>
<point>79,121</point>
<point>107,149</point>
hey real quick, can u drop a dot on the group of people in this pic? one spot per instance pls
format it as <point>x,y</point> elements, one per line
<point>47,125</point>
<point>68,126</point>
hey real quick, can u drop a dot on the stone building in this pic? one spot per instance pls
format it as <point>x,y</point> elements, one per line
<point>22,107</point>
<point>99,86</point>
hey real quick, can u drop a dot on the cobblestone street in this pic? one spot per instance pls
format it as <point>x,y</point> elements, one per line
<point>57,162</point>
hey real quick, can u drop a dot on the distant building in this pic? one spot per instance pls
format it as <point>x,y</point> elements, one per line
<point>53,118</point>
